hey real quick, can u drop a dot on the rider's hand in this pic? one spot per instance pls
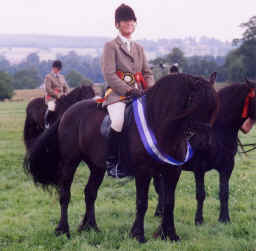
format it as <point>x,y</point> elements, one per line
<point>135,93</point>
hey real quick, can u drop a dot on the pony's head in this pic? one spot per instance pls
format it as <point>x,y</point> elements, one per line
<point>237,103</point>
<point>251,98</point>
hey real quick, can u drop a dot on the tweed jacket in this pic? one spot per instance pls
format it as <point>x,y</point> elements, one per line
<point>116,57</point>
<point>54,86</point>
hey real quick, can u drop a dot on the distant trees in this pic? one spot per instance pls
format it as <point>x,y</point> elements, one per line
<point>6,88</point>
<point>26,79</point>
<point>76,79</point>
<point>240,63</point>
<point>250,31</point>
<point>176,56</point>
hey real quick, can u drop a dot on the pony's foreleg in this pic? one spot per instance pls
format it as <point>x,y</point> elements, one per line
<point>224,195</point>
<point>200,196</point>
<point>159,187</point>
<point>167,227</point>
<point>90,192</point>
<point>64,198</point>
<point>142,186</point>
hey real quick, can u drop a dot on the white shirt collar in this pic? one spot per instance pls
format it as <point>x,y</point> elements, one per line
<point>124,39</point>
<point>55,74</point>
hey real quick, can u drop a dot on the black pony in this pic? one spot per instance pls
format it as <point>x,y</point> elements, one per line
<point>34,123</point>
<point>220,153</point>
<point>176,106</point>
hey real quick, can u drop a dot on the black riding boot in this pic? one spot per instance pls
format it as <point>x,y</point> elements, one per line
<point>112,158</point>
<point>47,116</point>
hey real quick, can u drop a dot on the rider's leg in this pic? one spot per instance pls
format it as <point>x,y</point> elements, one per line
<point>48,114</point>
<point>116,113</point>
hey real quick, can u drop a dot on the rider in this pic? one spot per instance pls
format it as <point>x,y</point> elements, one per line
<point>127,74</point>
<point>55,87</point>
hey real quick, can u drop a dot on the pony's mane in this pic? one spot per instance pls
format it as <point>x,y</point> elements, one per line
<point>177,97</point>
<point>180,78</point>
<point>79,93</point>
<point>188,88</point>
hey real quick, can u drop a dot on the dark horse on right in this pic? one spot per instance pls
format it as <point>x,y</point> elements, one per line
<point>234,101</point>
<point>176,107</point>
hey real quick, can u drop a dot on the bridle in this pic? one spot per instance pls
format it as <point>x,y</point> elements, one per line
<point>248,98</point>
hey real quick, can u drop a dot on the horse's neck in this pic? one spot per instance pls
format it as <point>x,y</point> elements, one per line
<point>226,131</point>
<point>229,121</point>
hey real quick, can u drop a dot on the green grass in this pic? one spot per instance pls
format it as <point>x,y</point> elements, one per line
<point>29,215</point>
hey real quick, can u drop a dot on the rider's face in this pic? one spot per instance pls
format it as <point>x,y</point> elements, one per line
<point>55,70</point>
<point>126,28</point>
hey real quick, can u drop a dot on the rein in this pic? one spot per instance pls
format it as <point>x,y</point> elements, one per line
<point>247,151</point>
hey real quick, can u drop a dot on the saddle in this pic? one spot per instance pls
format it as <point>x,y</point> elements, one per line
<point>105,126</point>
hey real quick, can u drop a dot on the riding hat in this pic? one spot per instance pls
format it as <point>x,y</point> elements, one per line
<point>124,13</point>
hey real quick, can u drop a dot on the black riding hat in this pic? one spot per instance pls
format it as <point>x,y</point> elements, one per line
<point>124,13</point>
<point>57,64</point>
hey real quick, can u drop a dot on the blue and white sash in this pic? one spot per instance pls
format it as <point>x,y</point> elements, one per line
<point>148,138</point>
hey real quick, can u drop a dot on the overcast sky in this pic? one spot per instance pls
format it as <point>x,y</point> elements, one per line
<point>156,19</point>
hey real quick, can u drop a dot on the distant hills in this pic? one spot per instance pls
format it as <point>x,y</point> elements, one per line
<point>17,47</point>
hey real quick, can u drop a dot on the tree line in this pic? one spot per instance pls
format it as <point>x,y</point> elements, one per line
<point>238,64</point>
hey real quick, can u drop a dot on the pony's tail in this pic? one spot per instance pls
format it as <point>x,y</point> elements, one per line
<point>42,160</point>
<point>31,132</point>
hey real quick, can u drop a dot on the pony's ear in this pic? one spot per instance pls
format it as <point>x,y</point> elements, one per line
<point>213,78</point>
<point>249,83</point>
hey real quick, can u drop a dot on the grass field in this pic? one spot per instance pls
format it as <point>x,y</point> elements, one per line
<point>29,215</point>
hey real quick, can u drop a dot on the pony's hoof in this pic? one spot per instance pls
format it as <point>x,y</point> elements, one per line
<point>59,232</point>
<point>199,221</point>
<point>224,220</point>
<point>174,237</point>
<point>139,237</point>
<point>164,235</point>
<point>88,227</point>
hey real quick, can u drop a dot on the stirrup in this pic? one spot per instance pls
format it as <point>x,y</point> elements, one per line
<point>116,173</point>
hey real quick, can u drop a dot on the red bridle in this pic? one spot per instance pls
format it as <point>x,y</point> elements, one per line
<point>250,95</point>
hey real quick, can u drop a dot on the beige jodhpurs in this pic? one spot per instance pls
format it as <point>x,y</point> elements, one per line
<point>116,114</point>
